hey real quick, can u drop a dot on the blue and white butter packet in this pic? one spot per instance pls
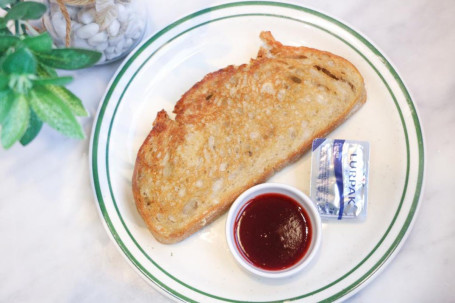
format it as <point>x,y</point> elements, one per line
<point>339,178</point>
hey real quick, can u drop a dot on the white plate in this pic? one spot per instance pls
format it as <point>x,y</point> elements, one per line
<point>201,267</point>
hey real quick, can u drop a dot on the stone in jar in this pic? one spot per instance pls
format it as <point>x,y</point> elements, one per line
<point>112,27</point>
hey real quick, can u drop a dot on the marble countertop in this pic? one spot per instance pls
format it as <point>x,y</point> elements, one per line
<point>54,247</point>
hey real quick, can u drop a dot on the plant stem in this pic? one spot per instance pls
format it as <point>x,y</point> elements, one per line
<point>17,28</point>
<point>27,26</point>
<point>16,22</point>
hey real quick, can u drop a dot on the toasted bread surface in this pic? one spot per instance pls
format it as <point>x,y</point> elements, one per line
<point>234,129</point>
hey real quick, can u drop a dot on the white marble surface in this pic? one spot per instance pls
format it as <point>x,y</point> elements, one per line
<point>54,247</point>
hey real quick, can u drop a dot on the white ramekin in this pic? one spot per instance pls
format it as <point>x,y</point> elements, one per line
<point>299,197</point>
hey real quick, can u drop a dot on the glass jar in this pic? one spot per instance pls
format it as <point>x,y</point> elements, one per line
<point>112,27</point>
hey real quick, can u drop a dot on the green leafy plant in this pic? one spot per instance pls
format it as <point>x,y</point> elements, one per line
<point>31,92</point>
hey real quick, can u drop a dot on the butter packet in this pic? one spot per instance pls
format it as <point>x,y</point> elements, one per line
<point>339,178</point>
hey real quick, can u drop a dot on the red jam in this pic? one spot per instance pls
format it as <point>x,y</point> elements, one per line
<point>273,231</point>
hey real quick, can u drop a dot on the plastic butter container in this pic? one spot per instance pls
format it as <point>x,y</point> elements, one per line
<point>339,178</point>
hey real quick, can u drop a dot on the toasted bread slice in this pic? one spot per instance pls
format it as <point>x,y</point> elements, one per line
<point>234,129</point>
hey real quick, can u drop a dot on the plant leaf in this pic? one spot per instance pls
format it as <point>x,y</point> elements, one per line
<point>54,80</point>
<point>73,102</point>
<point>33,129</point>
<point>46,71</point>
<point>69,58</point>
<point>5,3</point>
<point>40,43</point>
<point>6,101</point>
<point>21,61</point>
<point>4,80</point>
<point>3,26</point>
<point>16,121</point>
<point>4,30</point>
<point>52,110</point>
<point>7,42</point>
<point>26,10</point>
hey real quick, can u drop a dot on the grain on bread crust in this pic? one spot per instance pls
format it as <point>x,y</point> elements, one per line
<point>234,129</point>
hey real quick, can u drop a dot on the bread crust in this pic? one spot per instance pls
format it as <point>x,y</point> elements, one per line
<point>176,195</point>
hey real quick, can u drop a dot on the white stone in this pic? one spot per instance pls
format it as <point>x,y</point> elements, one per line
<point>113,28</point>
<point>140,23</point>
<point>80,43</point>
<point>122,13</point>
<point>75,26</point>
<point>86,16</point>
<point>110,50</point>
<point>128,43</point>
<point>137,34</point>
<point>98,38</point>
<point>131,29</point>
<point>88,30</point>
<point>113,41</point>
<point>102,46</point>
<point>59,24</point>
<point>110,56</point>
<point>54,9</point>
<point>72,11</point>
<point>102,59</point>
<point>120,46</point>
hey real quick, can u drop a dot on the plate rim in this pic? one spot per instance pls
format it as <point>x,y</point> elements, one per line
<point>389,253</point>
